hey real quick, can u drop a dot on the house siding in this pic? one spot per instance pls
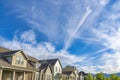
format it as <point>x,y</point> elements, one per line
<point>57,69</point>
<point>7,75</point>
<point>14,59</point>
<point>47,75</point>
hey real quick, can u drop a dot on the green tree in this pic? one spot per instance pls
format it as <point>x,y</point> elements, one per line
<point>118,78</point>
<point>108,78</point>
<point>100,76</point>
<point>89,77</point>
<point>114,77</point>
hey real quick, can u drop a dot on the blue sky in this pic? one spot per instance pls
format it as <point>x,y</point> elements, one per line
<point>83,33</point>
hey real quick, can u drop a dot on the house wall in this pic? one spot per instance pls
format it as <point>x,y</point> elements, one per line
<point>76,73</point>
<point>28,76</point>
<point>48,74</point>
<point>72,76</point>
<point>14,59</point>
<point>0,75</point>
<point>57,68</point>
<point>64,77</point>
<point>7,75</point>
<point>19,76</point>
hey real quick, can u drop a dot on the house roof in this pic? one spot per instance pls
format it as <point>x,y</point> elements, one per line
<point>45,66</point>
<point>11,53</point>
<point>82,73</point>
<point>69,68</point>
<point>30,58</point>
<point>2,49</point>
<point>68,72</point>
<point>5,64</point>
<point>50,61</point>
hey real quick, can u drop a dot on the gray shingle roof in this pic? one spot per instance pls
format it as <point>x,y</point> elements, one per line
<point>51,61</point>
<point>2,49</point>
<point>5,64</point>
<point>68,72</point>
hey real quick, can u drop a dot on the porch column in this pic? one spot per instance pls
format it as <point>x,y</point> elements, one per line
<point>13,75</point>
<point>24,76</point>
<point>33,76</point>
<point>1,73</point>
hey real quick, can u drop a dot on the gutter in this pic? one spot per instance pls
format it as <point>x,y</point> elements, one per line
<point>4,67</point>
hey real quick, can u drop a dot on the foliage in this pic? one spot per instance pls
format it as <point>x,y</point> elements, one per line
<point>89,77</point>
<point>100,76</point>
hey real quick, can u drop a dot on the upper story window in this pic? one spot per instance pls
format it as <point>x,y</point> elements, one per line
<point>48,77</point>
<point>59,69</point>
<point>38,65</point>
<point>56,69</point>
<point>19,60</point>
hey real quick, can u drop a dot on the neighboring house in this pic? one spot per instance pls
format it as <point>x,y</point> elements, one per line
<point>82,75</point>
<point>68,75</point>
<point>55,66</point>
<point>45,72</point>
<point>73,69</point>
<point>16,65</point>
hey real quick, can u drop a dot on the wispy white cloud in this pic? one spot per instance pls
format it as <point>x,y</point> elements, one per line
<point>107,32</point>
<point>43,50</point>
<point>56,17</point>
<point>68,44</point>
<point>103,2</point>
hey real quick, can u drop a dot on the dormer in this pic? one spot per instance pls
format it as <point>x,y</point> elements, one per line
<point>16,58</point>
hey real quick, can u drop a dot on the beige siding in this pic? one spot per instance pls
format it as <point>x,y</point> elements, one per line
<point>47,75</point>
<point>19,76</point>
<point>1,74</point>
<point>7,75</point>
<point>28,76</point>
<point>72,75</point>
<point>14,59</point>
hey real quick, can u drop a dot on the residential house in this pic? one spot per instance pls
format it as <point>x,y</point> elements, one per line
<point>45,72</point>
<point>72,69</point>
<point>55,66</point>
<point>16,65</point>
<point>82,75</point>
<point>68,75</point>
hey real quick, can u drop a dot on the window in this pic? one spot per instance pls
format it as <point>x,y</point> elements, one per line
<point>59,69</point>
<point>56,69</point>
<point>48,77</point>
<point>37,76</point>
<point>38,65</point>
<point>19,60</point>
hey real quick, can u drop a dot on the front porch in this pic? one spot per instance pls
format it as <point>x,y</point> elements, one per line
<point>16,75</point>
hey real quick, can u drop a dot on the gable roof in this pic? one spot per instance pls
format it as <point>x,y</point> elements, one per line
<point>33,59</point>
<point>50,61</point>
<point>5,64</point>
<point>68,72</point>
<point>11,53</point>
<point>45,66</point>
<point>69,68</point>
